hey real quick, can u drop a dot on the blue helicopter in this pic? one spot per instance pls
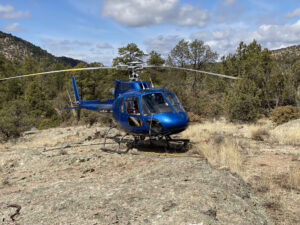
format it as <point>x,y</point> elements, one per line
<point>138,108</point>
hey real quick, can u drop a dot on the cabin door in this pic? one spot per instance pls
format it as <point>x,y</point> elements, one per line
<point>133,110</point>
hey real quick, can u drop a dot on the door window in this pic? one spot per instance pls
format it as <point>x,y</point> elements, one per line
<point>133,106</point>
<point>133,109</point>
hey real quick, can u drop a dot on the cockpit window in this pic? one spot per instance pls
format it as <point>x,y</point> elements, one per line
<point>154,104</point>
<point>172,98</point>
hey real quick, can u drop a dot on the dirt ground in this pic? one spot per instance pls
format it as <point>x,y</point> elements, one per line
<point>60,176</point>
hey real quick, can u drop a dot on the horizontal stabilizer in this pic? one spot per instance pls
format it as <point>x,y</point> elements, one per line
<point>70,108</point>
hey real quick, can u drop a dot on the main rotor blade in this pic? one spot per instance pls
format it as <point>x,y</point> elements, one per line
<point>57,71</point>
<point>193,70</point>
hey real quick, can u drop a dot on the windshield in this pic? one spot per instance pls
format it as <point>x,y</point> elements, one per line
<point>154,104</point>
<point>172,98</point>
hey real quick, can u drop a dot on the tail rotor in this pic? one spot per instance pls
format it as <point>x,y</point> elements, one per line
<point>71,104</point>
<point>74,107</point>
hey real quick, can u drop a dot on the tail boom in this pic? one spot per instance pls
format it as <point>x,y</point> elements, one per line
<point>76,92</point>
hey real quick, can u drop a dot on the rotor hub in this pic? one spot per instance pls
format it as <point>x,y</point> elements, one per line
<point>133,67</point>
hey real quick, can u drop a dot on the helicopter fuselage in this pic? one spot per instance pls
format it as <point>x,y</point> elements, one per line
<point>141,110</point>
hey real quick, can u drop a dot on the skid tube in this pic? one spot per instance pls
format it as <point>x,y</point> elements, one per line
<point>140,139</point>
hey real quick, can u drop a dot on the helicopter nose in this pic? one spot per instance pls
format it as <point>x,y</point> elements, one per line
<point>174,121</point>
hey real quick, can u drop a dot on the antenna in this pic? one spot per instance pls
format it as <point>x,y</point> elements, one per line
<point>152,86</point>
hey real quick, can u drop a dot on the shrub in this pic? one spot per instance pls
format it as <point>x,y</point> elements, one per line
<point>259,134</point>
<point>204,105</point>
<point>89,117</point>
<point>14,119</point>
<point>243,102</point>
<point>49,123</point>
<point>194,117</point>
<point>284,114</point>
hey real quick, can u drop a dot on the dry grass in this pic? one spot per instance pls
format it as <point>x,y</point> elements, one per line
<point>199,132</point>
<point>216,142</point>
<point>225,155</point>
<point>259,134</point>
<point>220,142</point>
<point>263,130</point>
<point>222,127</point>
<point>288,133</point>
<point>288,180</point>
<point>294,177</point>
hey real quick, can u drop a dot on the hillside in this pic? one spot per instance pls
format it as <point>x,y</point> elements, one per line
<point>291,51</point>
<point>17,49</point>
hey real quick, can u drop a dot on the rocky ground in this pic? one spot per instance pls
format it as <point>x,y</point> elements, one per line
<point>60,176</point>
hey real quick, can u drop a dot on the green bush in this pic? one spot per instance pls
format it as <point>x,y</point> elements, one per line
<point>243,103</point>
<point>14,119</point>
<point>204,105</point>
<point>284,114</point>
<point>46,123</point>
<point>89,117</point>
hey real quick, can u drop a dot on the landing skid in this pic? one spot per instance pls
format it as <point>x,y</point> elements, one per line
<point>164,144</point>
<point>144,143</point>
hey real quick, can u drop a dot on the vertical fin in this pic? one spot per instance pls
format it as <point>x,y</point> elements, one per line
<point>76,92</point>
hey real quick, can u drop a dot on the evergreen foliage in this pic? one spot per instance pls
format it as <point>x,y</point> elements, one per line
<point>243,102</point>
<point>128,54</point>
<point>14,119</point>
<point>155,59</point>
<point>267,82</point>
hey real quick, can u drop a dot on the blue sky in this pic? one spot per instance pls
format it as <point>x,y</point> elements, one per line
<point>93,30</point>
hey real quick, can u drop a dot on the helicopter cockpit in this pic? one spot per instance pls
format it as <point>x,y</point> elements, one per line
<point>155,103</point>
<point>161,109</point>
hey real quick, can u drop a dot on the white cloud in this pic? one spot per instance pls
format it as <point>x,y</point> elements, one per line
<point>13,28</point>
<point>83,50</point>
<point>273,35</point>
<point>104,45</point>
<point>229,2</point>
<point>162,44</point>
<point>8,12</point>
<point>295,13</point>
<point>192,16</point>
<point>226,40</point>
<point>66,44</point>
<point>136,13</point>
<point>89,57</point>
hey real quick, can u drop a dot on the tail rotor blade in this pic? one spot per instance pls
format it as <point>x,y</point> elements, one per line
<point>71,103</point>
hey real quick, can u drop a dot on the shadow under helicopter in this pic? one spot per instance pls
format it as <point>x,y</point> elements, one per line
<point>123,144</point>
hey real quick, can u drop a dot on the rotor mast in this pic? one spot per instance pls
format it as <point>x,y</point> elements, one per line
<point>133,68</point>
